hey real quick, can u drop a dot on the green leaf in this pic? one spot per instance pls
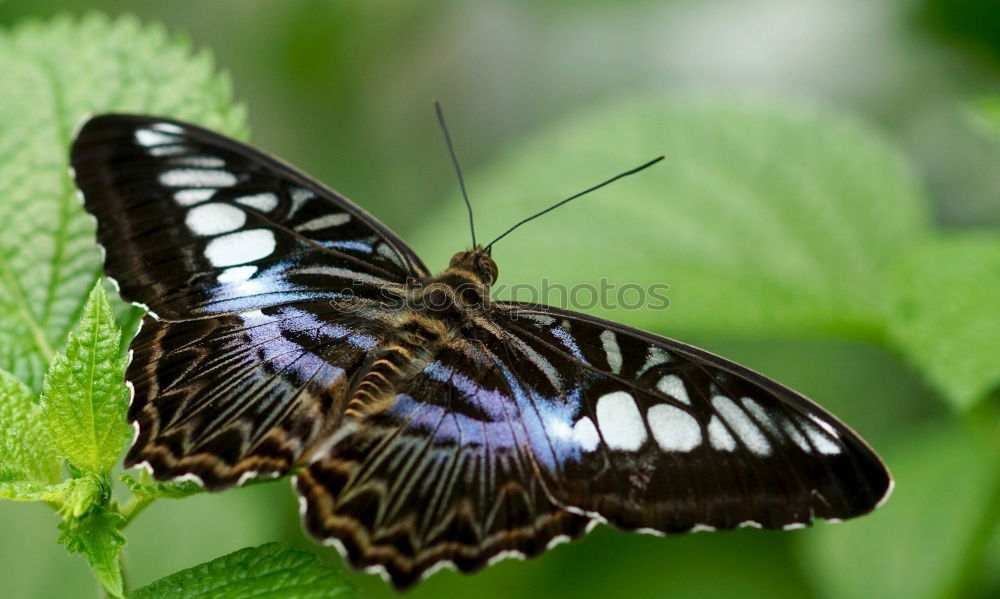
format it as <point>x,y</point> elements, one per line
<point>84,397</point>
<point>914,546</point>
<point>54,73</point>
<point>96,536</point>
<point>946,317</point>
<point>763,219</point>
<point>29,462</point>
<point>169,490</point>
<point>272,570</point>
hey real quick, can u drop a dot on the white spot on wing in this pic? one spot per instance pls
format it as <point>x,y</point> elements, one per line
<point>656,357</point>
<point>741,424</point>
<point>541,319</point>
<point>265,202</point>
<point>793,433</point>
<point>171,150</point>
<point>612,351</point>
<point>673,386</point>
<point>249,474</point>
<point>237,274</point>
<point>324,222</point>
<point>386,251</point>
<point>199,161</point>
<point>299,198</point>
<point>168,128</point>
<point>824,425</point>
<point>761,416</point>
<point>719,437</point>
<point>190,197</point>
<point>620,421</point>
<point>193,177</point>
<point>240,247</point>
<point>149,137</point>
<point>820,441</point>
<point>214,218</point>
<point>559,429</point>
<point>585,434</point>
<point>673,428</point>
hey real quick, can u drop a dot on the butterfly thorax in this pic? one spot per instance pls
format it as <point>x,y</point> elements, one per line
<point>463,288</point>
<point>435,312</point>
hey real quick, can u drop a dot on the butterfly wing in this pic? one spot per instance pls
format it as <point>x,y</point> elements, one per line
<point>538,422</point>
<point>652,434</point>
<point>445,476</point>
<point>246,266</point>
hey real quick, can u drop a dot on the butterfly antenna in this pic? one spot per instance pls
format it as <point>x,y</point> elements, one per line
<point>458,169</point>
<point>575,196</point>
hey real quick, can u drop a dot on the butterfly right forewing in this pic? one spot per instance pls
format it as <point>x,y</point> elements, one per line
<point>650,433</point>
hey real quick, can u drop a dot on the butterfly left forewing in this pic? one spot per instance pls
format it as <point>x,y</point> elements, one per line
<point>195,224</point>
<point>653,434</point>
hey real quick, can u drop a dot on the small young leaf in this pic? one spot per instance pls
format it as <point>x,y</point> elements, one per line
<point>763,219</point>
<point>85,397</point>
<point>54,73</point>
<point>84,495</point>
<point>29,463</point>
<point>271,570</point>
<point>96,536</point>
<point>171,490</point>
<point>946,316</point>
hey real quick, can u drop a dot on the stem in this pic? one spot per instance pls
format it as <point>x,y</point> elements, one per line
<point>133,507</point>
<point>121,568</point>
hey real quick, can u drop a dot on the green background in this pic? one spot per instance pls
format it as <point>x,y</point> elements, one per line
<point>343,90</point>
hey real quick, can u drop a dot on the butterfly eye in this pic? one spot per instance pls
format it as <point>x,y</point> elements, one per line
<point>487,270</point>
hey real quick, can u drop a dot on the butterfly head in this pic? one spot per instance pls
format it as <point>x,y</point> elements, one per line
<point>476,262</point>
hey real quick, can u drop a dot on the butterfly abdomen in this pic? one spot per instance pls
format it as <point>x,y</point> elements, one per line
<point>417,339</point>
<point>434,315</point>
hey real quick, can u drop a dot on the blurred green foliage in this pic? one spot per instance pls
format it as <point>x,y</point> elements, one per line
<point>343,90</point>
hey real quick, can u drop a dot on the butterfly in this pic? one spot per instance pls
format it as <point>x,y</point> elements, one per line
<point>289,332</point>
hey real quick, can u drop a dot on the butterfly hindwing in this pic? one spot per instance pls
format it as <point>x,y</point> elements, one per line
<point>241,395</point>
<point>444,476</point>
<point>650,433</point>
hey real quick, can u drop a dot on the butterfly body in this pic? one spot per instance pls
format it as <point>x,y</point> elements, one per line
<point>425,424</point>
